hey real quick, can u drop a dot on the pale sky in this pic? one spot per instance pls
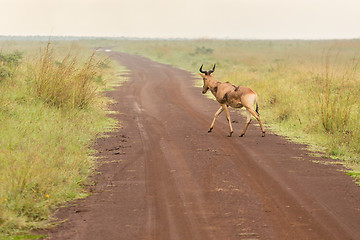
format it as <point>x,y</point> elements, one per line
<point>241,19</point>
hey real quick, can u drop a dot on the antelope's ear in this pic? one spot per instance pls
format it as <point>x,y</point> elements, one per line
<point>202,75</point>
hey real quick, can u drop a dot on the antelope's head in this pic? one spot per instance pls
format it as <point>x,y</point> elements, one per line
<point>206,75</point>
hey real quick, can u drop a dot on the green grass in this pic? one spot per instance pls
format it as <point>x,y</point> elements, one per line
<point>22,237</point>
<point>51,110</point>
<point>308,90</point>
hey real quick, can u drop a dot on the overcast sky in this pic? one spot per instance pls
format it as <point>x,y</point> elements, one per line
<point>243,19</point>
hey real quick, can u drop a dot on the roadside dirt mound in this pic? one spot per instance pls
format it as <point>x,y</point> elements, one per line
<point>162,176</point>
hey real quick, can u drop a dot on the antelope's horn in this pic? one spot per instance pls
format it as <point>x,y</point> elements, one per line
<point>211,71</point>
<point>202,70</point>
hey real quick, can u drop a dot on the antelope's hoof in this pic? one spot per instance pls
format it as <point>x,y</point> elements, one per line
<point>263,134</point>
<point>230,134</point>
<point>210,130</point>
<point>241,135</point>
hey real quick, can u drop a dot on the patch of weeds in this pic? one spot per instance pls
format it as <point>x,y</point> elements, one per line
<point>356,175</point>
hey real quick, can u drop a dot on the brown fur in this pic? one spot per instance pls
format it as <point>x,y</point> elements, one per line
<point>227,95</point>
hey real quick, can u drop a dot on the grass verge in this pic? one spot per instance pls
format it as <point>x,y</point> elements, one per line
<point>51,110</point>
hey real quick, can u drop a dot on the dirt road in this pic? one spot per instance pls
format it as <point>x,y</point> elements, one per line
<point>164,177</point>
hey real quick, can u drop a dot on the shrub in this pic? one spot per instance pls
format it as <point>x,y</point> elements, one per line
<point>8,64</point>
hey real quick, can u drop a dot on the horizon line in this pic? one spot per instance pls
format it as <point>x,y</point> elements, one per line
<point>170,38</point>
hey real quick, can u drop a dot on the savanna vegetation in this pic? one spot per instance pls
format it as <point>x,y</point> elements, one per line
<point>51,110</point>
<point>308,90</point>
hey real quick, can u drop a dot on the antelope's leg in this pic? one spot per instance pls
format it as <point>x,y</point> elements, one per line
<point>248,120</point>
<point>228,119</point>
<point>216,115</point>
<point>252,111</point>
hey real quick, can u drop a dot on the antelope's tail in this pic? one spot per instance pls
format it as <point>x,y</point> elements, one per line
<point>257,108</point>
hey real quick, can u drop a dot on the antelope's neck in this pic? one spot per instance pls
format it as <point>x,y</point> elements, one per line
<point>213,85</point>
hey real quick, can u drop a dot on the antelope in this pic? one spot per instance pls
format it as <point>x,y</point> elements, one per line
<point>227,95</point>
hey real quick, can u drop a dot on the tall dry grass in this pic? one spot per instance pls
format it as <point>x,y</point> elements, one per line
<point>336,99</point>
<point>65,83</point>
